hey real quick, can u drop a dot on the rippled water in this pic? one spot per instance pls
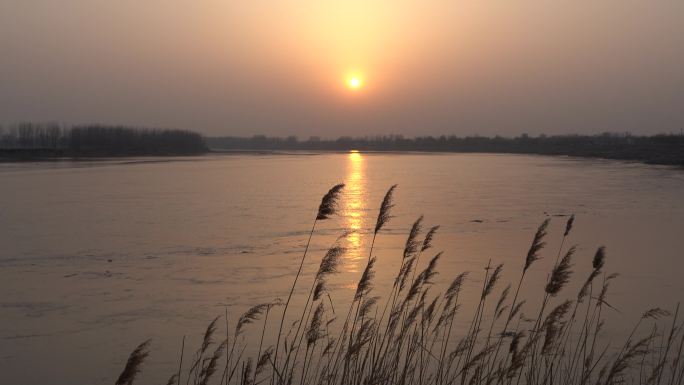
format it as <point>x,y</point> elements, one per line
<point>98,256</point>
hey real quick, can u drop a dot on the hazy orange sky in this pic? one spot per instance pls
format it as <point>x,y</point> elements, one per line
<point>281,67</point>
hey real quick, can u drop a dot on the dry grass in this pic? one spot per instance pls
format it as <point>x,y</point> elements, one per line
<point>412,339</point>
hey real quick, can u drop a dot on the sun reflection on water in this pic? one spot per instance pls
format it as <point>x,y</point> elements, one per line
<point>354,209</point>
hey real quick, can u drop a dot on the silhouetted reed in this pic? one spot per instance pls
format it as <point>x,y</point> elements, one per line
<point>135,361</point>
<point>413,339</point>
<point>326,209</point>
<point>384,215</point>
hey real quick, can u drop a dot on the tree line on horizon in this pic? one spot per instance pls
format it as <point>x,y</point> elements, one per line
<point>98,140</point>
<point>54,140</point>
<point>657,149</point>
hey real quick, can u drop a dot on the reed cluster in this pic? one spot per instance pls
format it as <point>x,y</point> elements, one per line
<point>409,337</point>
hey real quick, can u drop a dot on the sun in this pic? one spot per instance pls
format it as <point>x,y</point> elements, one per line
<point>354,82</point>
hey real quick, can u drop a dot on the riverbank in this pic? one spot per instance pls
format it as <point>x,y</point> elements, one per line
<point>656,149</point>
<point>47,155</point>
<point>39,143</point>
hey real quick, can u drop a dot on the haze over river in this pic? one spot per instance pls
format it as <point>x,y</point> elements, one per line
<point>97,256</point>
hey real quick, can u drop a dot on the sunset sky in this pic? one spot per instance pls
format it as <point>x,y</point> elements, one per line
<point>356,67</point>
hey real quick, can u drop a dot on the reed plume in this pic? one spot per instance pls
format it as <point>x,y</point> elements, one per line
<point>207,340</point>
<point>537,244</point>
<point>314,333</point>
<point>455,288</point>
<point>328,206</point>
<point>492,281</point>
<point>422,279</point>
<point>251,315</point>
<point>134,363</point>
<point>599,258</point>
<point>263,361</point>
<point>319,290</point>
<point>516,309</point>
<point>208,334</point>
<point>561,274</point>
<point>515,342</point>
<point>568,225</point>
<point>655,313</point>
<point>502,298</point>
<point>385,210</point>
<point>366,282</point>
<point>247,373</point>
<point>330,261</point>
<point>403,275</point>
<point>597,264</point>
<point>552,325</point>
<point>411,245</point>
<point>366,306</point>
<point>209,370</point>
<point>623,362</point>
<point>427,242</point>
<point>430,271</point>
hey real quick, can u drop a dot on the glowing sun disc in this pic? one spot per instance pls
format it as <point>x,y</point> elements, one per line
<point>354,82</point>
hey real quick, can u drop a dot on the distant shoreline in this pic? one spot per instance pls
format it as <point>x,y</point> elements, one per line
<point>47,142</point>
<point>34,142</point>
<point>51,155</point>
<point>657,149</point>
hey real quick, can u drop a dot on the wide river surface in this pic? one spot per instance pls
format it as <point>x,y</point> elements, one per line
<point>96,257</point>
